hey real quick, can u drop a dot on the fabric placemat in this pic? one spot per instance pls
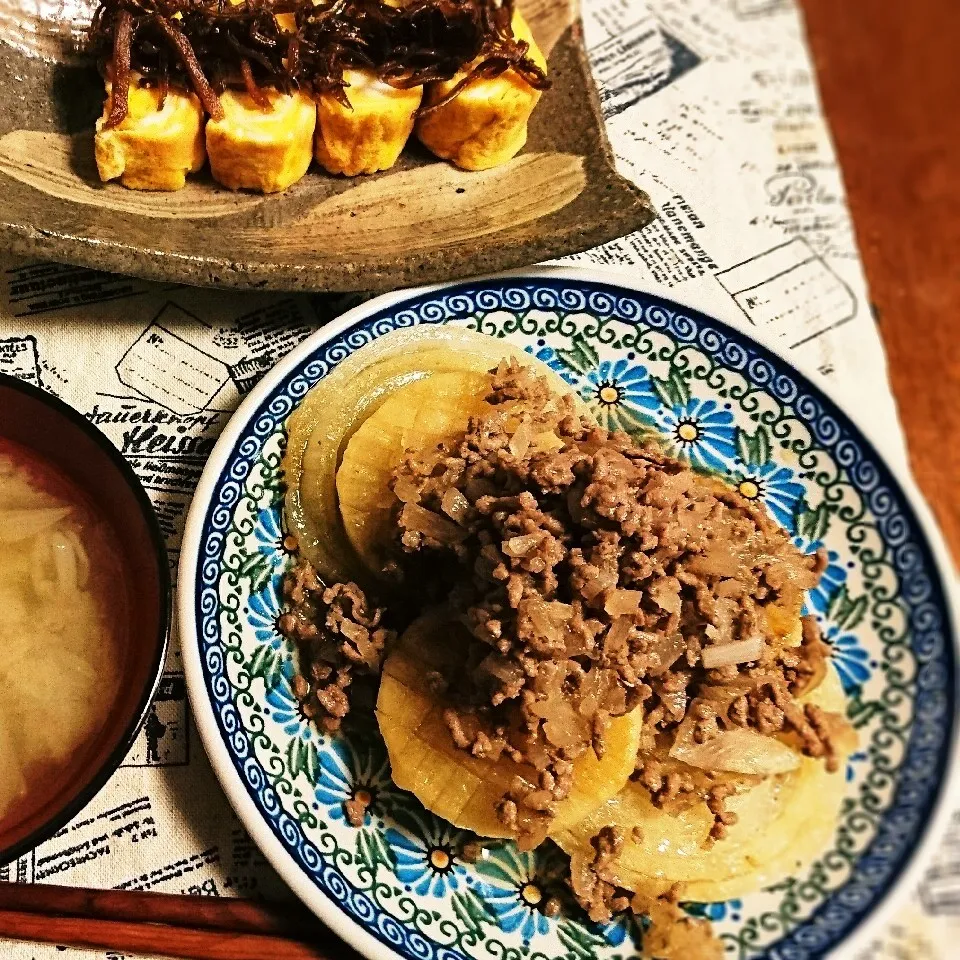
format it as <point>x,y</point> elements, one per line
<point>712,108</point>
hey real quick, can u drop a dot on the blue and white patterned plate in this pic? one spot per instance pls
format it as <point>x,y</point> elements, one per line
<point>395,885</point>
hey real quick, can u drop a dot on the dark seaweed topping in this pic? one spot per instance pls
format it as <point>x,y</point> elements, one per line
<point>209,45</point>
<point>423,41</point>
<point>193,44</point>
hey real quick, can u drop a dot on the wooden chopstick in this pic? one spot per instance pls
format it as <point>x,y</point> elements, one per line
<point>156,939</point>
<point>137,906</point>
<point>198,928</point>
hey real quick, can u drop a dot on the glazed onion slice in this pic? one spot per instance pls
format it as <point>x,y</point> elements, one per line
<point>320,428</point>
<point>783,822</point>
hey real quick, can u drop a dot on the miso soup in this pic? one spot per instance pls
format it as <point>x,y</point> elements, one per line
<point>63,607</point>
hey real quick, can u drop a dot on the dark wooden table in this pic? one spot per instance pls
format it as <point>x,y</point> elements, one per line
<point>889,74</point>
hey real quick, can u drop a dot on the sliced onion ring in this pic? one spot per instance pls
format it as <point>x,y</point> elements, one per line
<point>727,654</point>
<point>738,751</point>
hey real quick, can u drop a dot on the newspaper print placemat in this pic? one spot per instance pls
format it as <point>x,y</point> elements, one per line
<point>712,108</point>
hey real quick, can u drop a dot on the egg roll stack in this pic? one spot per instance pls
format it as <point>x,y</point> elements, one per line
<point>260,89</point>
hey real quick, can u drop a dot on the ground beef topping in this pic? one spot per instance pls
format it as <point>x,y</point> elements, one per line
<point>472,851</point>
<point>593,882</point>
<point>207,46</point>
<point>592,575</point>
<point>339,636</point>
<point>670,934</point>
<point>595,575</point>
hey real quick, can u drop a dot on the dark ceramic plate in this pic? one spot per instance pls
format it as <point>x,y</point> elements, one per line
<point>422,221</point>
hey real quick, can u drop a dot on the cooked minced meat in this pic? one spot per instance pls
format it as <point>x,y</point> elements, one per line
<point>356,810</point>
<point>596,575</point>
<point>471,851</point>
<point>339,635</point>
<point>670,934</point>
<point>593,882</point>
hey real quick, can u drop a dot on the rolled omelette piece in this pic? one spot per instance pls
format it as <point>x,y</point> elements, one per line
<point>486,125</point>
<point>153,147</point>
<point>371,133</point>
<point>260,148</point>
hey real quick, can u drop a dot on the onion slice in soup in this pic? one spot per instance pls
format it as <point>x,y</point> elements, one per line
<point>19,525</point>
<point>13,783</point>
<point>62,606</point>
